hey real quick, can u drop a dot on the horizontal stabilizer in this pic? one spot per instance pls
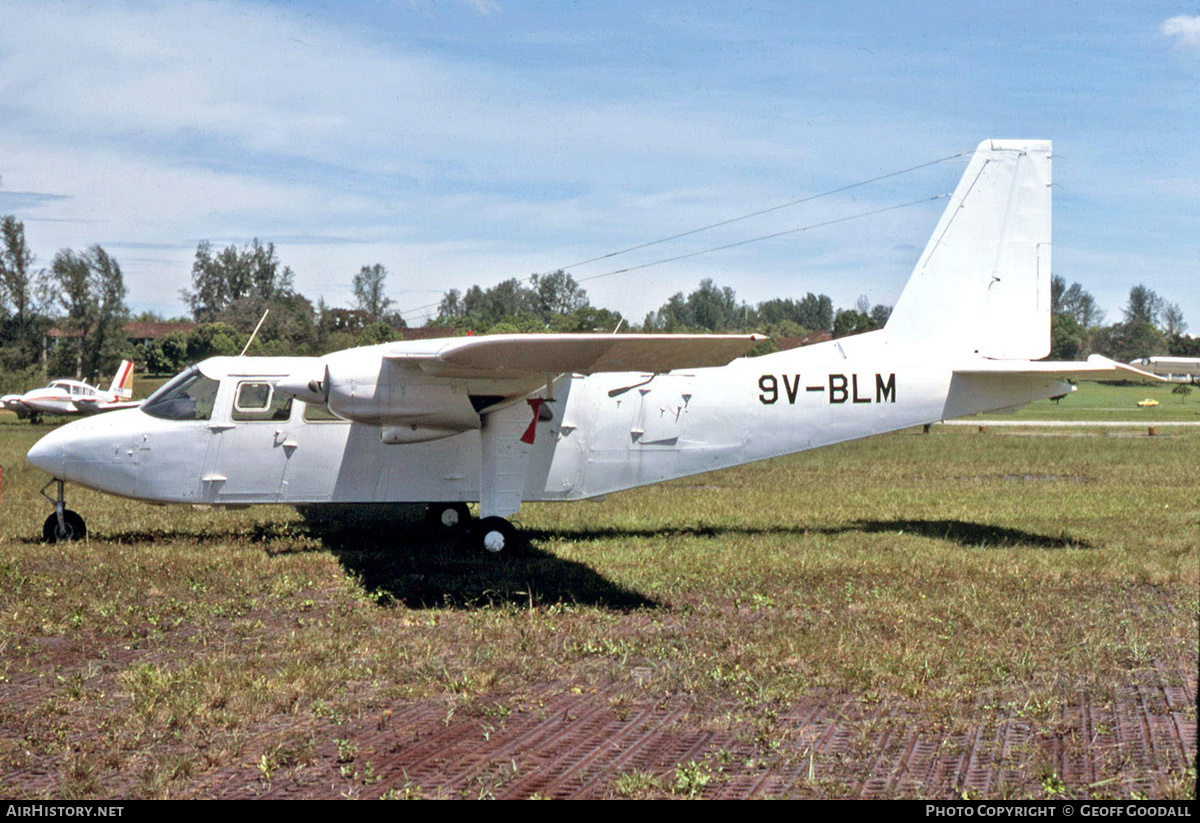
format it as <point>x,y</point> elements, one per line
<point>515,355</point>
<point>1097,367</point>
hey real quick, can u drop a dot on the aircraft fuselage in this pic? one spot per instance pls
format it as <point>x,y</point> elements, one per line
<point>605,432</point>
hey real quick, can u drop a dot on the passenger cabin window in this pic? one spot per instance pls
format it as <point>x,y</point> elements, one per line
<point>258,400</point>
<point>187,396</point>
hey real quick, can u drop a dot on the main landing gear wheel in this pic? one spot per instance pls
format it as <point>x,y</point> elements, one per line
<point>448,516</point>
<point>495,535</point>
<point>71,528</point>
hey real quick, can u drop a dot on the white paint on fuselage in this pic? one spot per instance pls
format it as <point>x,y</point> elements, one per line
<point>599,440</point>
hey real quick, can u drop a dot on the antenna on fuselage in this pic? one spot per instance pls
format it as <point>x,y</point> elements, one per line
<point>253,333</point>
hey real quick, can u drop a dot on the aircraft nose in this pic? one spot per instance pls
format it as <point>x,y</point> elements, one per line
<point>48,454</point>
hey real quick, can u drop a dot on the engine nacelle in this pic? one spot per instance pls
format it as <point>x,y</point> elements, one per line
<point>308,388</point>
<point>400,397</point>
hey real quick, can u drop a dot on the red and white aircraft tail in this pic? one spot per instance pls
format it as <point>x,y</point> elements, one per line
<point>122,383</point>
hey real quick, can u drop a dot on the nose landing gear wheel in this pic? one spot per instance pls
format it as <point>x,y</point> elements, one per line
<point>64,525</point>
<point>495,535</point>
<point>71,528</point>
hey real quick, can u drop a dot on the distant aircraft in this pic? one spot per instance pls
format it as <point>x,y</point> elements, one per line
<point>74,396</point>
<point>1174,368</point>
<point>510,418</point>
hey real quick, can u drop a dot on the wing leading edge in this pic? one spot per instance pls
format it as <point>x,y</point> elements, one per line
<point>517,355</point>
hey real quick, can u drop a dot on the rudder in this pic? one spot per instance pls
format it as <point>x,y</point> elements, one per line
<point>982,285</point>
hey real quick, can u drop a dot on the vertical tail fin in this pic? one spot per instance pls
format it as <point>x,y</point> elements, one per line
<point>122,384</point>
<point>983,283</point>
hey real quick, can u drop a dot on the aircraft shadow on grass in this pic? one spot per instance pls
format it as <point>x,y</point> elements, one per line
<point>425,569</point>
<point>964,533</point>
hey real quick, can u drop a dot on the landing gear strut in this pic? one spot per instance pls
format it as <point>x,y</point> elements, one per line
<point>63,525</point>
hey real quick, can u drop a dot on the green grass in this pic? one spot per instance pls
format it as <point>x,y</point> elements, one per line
<point>1116,402</point>
<point>946,574</point>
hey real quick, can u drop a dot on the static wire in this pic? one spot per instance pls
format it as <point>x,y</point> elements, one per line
<point>737,219</point>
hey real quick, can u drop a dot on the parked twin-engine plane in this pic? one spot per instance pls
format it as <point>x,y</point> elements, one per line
<point>504,419</point>
<point>74,396</point>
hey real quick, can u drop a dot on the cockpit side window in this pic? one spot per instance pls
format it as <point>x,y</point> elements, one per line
<point>258,400</point>
<point>187,396</point>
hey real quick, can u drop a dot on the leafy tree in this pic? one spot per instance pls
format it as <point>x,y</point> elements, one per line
<point>377,332</point>
<point>1183,390</point>
<point>291,323</point>
<point>1129,341</point>
<point>778,310</point>
<point>1074,302</point>
<point>1173,322</point>
<point>343,320</point>
<point>1068,338</point>
<point>708,308</point>
<point>105,344</point>
<point>587,319</point>
<point>815,312</point>
<point>213,340</point>
<point>368,290</point>
<point>20,309</point>
<point>451,307</point>
<point>1144,306</point>
<point>1182,345</point>
<point>556,295</point>
<point>220,280</point>
<point>1073,313</point>
<point>851,321</point>
<point>543,304</point>
<point>71,276</point>
<point>166,355</point>
<point>506,299</point>
<point>711,308</point>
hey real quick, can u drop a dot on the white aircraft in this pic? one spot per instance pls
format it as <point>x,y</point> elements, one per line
<point>510,418</point>
<point>1180,369</point>
<point>74,396</point>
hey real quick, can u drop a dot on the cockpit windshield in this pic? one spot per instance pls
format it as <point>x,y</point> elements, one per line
<point>187,396</point>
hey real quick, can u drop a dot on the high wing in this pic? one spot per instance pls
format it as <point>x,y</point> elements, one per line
<point>514,356</point>
<point>439,387</point>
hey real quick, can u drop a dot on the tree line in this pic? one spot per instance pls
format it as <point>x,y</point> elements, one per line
<point>82,293</point>
<point>1150,326</point>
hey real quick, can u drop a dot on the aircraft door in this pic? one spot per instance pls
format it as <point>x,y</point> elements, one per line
<point>251,443</point>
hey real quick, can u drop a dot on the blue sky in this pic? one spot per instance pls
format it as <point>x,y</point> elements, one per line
<point>466,142</point>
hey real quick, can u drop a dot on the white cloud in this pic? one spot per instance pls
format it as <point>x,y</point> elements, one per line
<point>1184,27</point>
<point>457,148</point>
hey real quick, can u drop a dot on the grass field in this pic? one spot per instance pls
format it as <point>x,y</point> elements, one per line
<point>996,593</point>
